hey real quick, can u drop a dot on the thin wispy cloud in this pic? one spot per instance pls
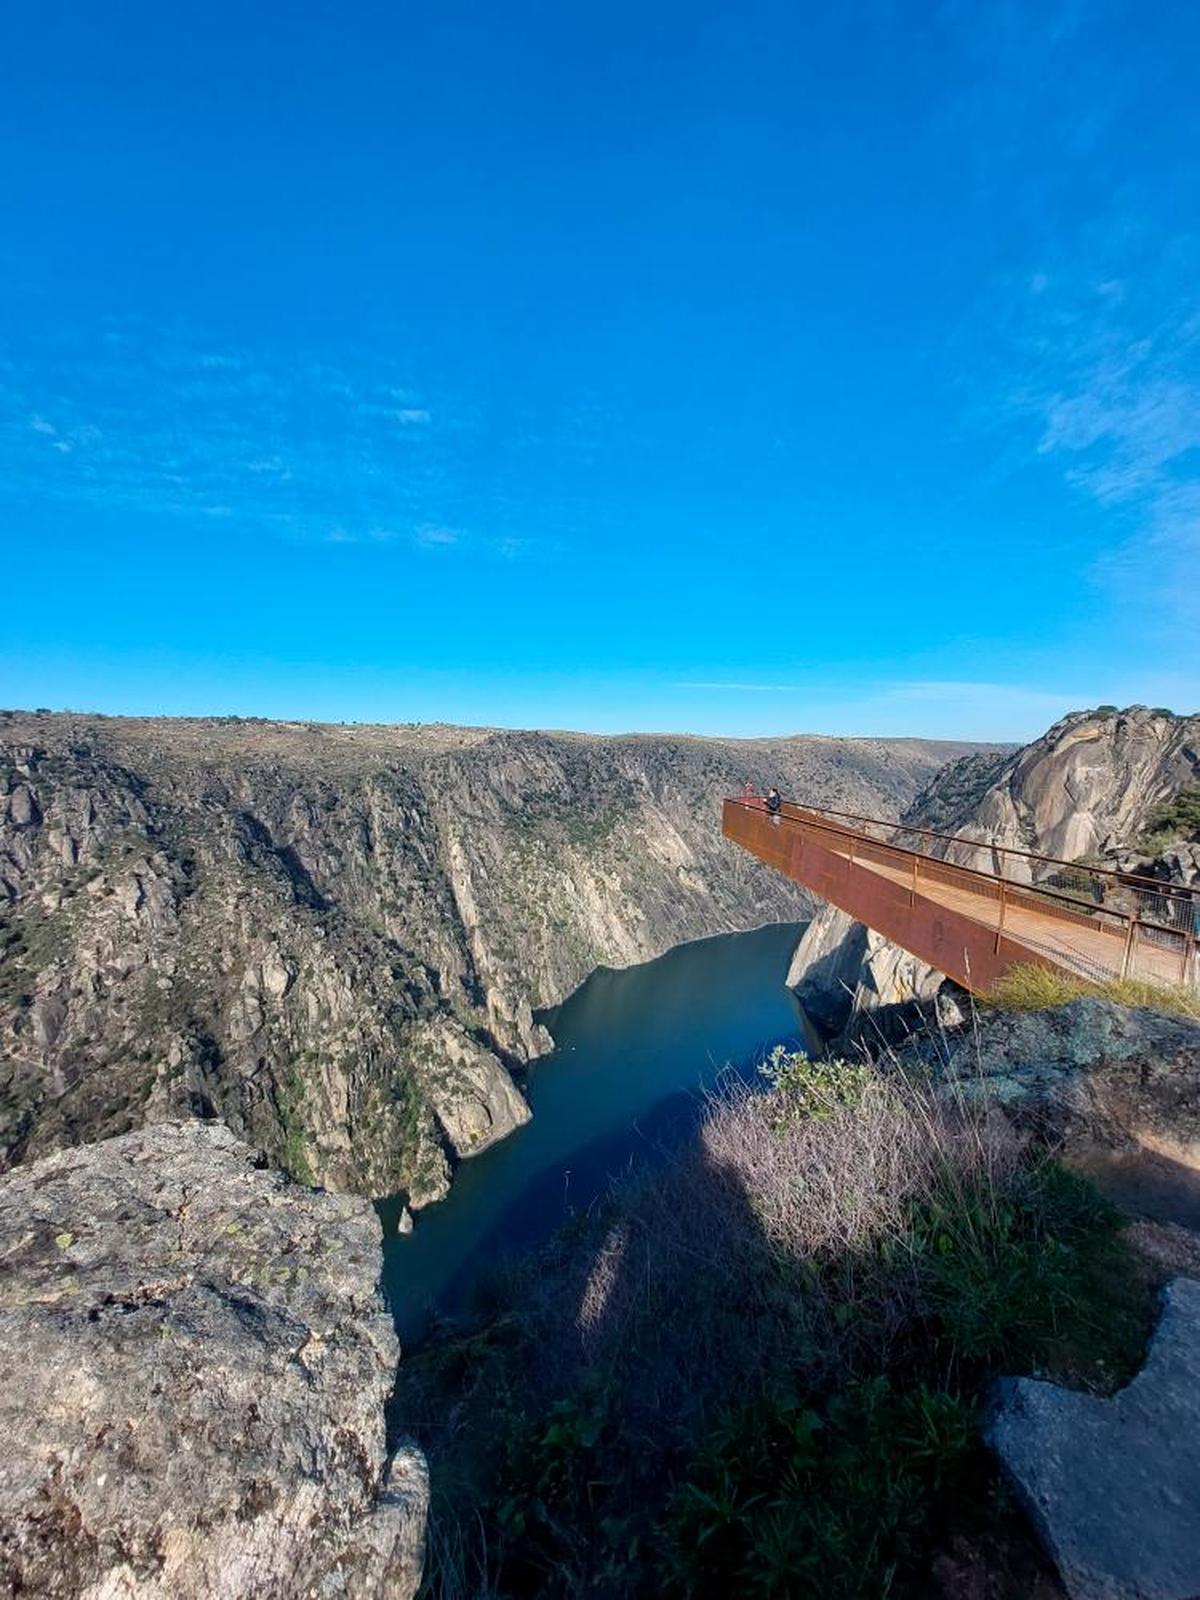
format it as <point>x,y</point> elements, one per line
<point>129,416</point>
<point>997,697</point>
<point>343,535</point>
<point>435,538</point>
<point>1113,388</point>
<point>959,690</point>
<point>743,688</point>
<point>1096,331</point>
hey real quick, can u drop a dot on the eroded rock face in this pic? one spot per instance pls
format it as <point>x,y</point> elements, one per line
<point>846,975</point>
<point>1091,1073</point>
<point>194,1365</point>
<point>1088,787</point>
<point>336,938</point>
<point>1090,784</point>
<point>474,1099</point>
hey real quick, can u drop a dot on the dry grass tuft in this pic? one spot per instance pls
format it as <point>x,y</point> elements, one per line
<point>1035,988</point>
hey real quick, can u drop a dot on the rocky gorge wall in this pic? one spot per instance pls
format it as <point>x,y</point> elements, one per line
<point>335,938</point>
<point>1089,788</point>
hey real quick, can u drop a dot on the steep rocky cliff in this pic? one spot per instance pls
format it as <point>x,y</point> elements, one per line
<point>1091,787</point>
<point>335,938</point>
<point>1086,789</point>
<point>194,1365</point>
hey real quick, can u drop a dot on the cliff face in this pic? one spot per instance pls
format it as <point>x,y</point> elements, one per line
<point>1089,787</point>
<point>335,938</point>
<point>194,1365</point>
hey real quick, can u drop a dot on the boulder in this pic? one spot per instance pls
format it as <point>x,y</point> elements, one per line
<point>1113,1486</point>
<point>1093,1072</point>
<point>194,1366</point>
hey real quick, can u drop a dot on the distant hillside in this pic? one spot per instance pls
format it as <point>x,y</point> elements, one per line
<point>335,937</point>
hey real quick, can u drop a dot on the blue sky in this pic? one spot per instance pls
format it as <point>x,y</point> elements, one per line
<point>730,368</point>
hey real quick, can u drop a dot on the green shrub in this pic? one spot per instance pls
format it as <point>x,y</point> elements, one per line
<point>1177,818</point>
<point>289,1102</point>
<point>813,1087</point>
<point>784,1499</point>
<point>1035,1275</point>
<point>556,1478</point>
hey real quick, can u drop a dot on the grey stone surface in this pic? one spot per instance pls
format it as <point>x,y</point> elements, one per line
<point>1113,1486</point>
<point>194,1366</point>
<point>1091,1071</point>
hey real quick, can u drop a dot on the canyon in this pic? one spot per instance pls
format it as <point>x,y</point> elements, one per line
<point>335,938</point>
<point>254,974</point>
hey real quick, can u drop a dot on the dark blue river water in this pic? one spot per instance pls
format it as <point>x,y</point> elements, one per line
<point>632,1050</point>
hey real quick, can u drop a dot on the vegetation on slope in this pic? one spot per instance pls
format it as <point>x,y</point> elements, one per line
<point>1177,818</point>
<point>334,937</point>
<point>760,1371</point>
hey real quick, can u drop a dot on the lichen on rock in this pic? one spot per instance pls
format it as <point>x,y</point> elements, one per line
<point>194,1366</point>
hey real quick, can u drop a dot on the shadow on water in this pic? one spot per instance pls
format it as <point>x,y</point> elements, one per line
<point>633,1050</point>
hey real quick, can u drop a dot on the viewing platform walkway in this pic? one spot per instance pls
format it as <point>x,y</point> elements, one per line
<point>970,908</point>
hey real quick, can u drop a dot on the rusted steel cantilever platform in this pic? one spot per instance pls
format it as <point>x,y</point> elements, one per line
<point>971,924</point>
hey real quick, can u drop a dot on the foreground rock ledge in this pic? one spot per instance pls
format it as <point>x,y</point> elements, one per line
<point>1113,1486</point>
<point>194,1364</point>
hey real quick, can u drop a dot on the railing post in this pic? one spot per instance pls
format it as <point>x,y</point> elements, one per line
<point>1000,919</point>
<point>1128,954</point>
<point>912,892</point>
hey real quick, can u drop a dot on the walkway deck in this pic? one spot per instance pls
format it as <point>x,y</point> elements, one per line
<point>973,925</point>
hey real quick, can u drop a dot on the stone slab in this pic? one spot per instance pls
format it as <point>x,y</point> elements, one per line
<point>1113,1485</point>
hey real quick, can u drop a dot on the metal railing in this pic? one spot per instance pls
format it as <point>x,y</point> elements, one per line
<point>1128,924</point>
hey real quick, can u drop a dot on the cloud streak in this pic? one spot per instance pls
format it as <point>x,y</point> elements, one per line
<point>1083,354</point>
<point>744,688</point>
<point>155,420</point>
<point>1116,398</point>
<point>941,692</point>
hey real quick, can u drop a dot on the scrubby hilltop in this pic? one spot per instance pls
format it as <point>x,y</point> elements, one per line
<point>335,938</point>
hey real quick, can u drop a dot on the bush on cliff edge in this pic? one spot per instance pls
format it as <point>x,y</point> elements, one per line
<point>759,1371</point>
